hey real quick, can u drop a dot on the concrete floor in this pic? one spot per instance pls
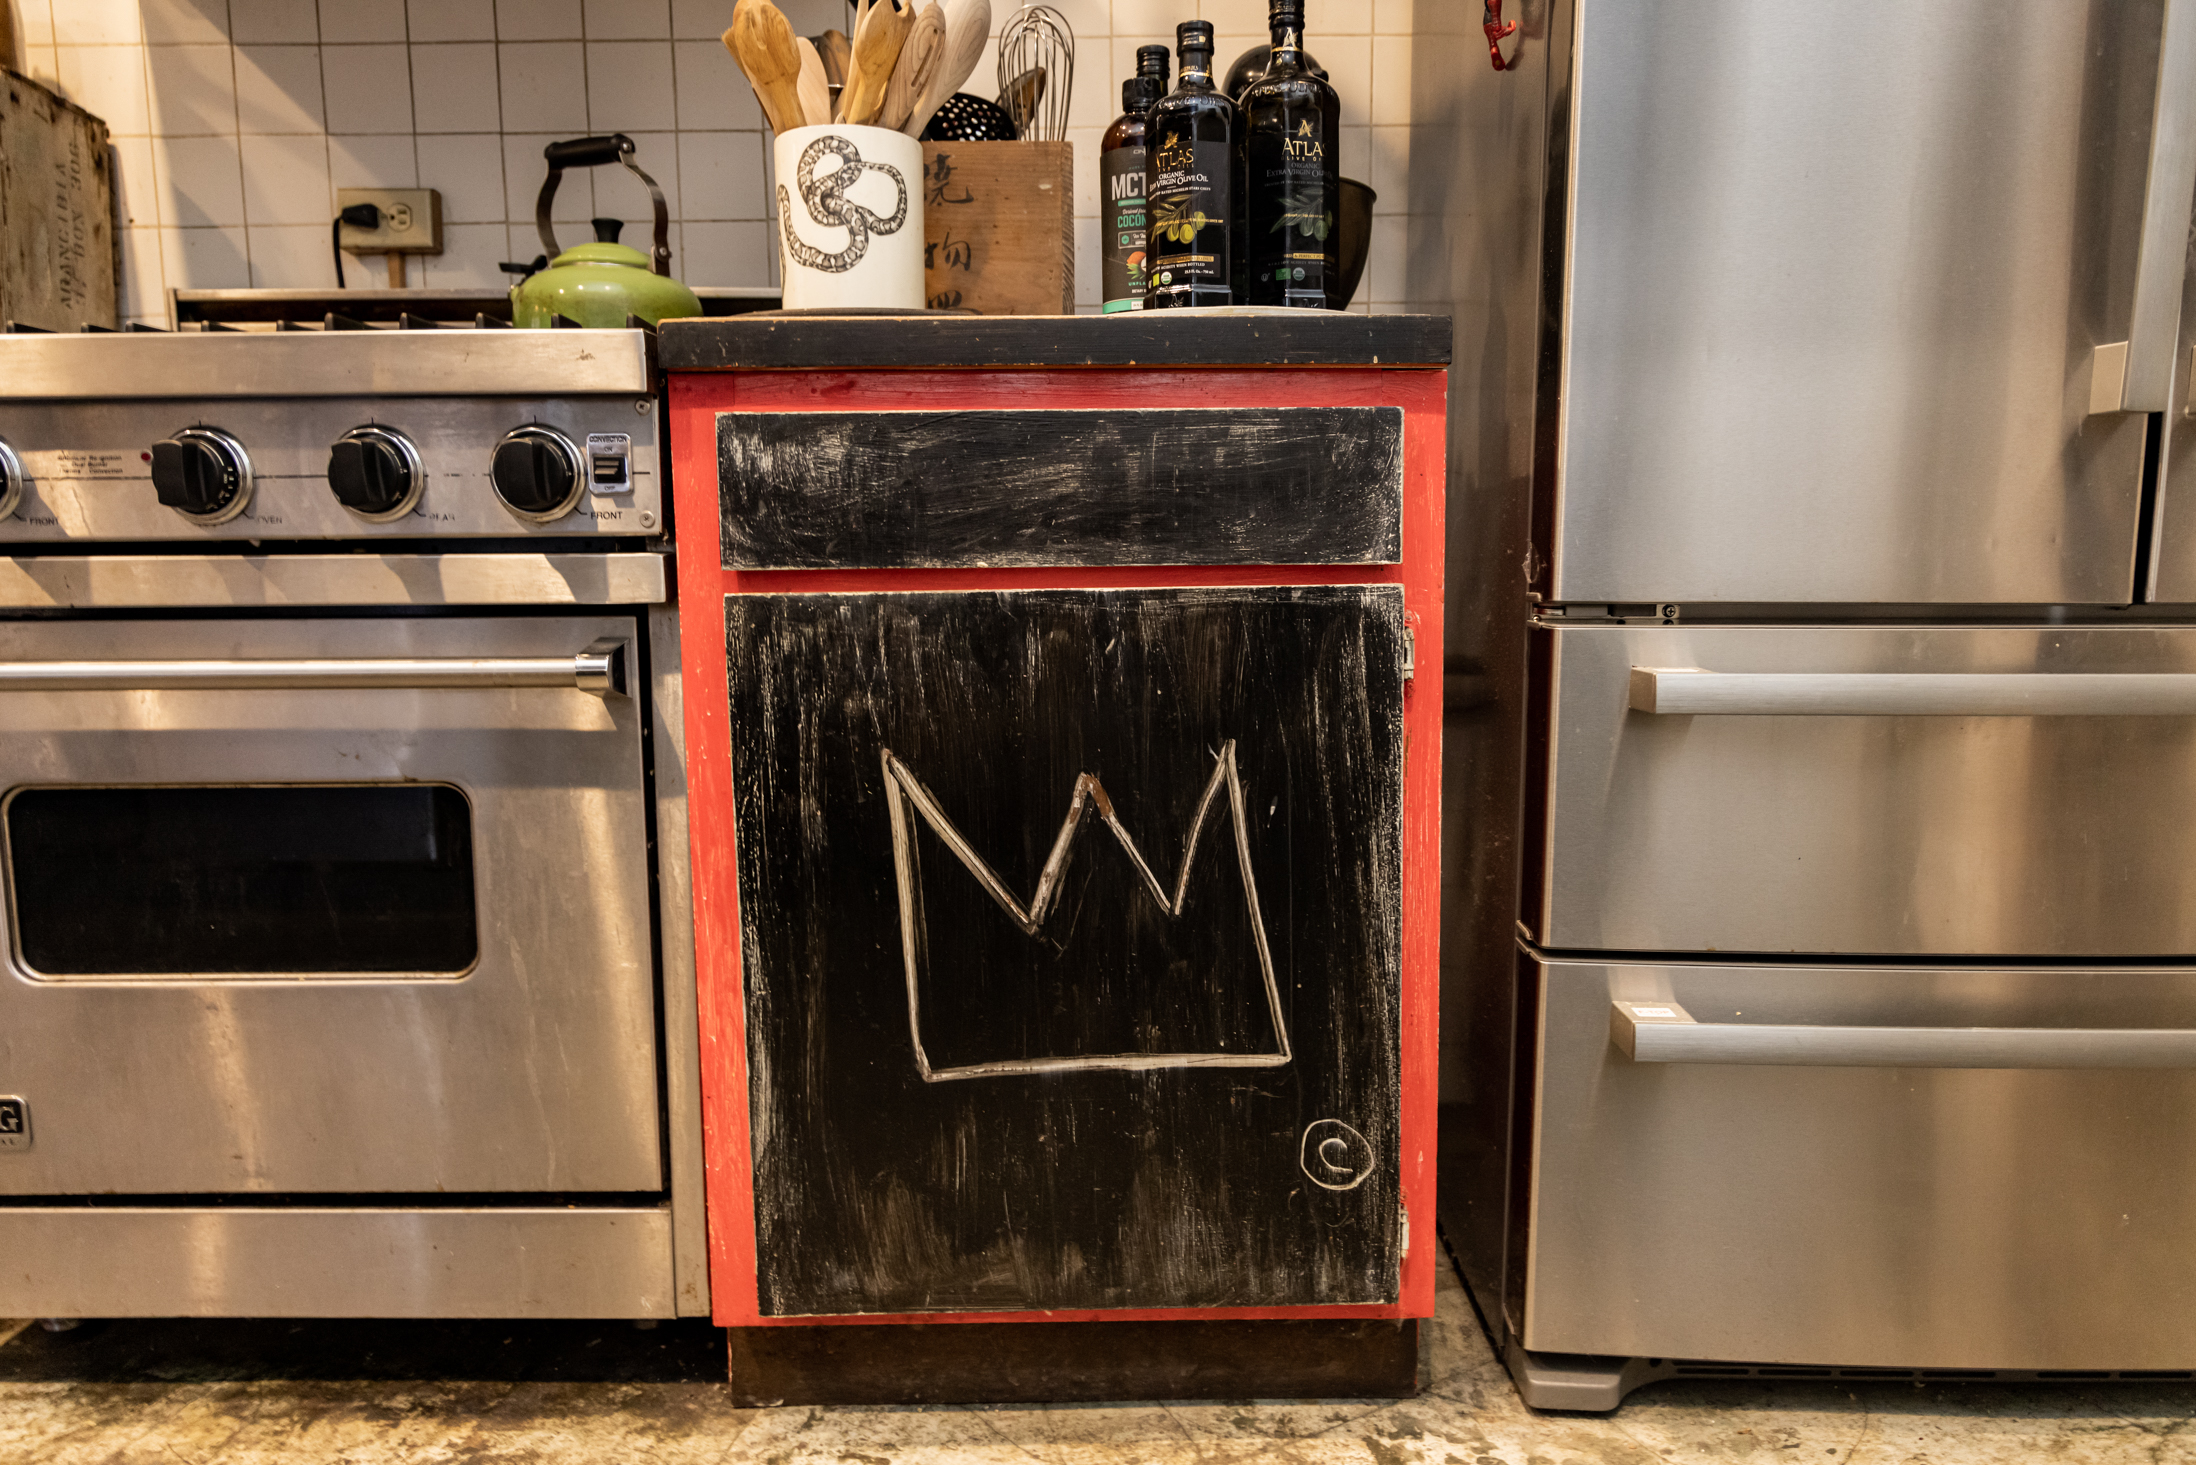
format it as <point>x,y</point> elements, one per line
<point>267,1393</point>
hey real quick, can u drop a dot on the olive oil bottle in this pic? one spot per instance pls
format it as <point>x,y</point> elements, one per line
<point>1291,248</point>
<point>1122,172</point>
<point>1191,134</point>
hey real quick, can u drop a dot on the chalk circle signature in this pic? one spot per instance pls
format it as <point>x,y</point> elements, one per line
<point>829,206</point>
<point>1335,1156</point>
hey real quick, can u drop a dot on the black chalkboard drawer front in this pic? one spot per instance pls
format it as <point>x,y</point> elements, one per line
<point>1144,486</point>
<point>1071,925</point>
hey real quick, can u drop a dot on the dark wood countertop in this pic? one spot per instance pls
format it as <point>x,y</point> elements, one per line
<point>764,342</point>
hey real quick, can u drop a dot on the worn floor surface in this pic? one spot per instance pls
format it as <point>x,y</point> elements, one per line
<point>244,1393</point>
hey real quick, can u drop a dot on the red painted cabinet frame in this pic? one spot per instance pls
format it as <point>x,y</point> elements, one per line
<point>697,399</point>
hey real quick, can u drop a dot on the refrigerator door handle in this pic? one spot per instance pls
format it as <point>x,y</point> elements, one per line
<point>1688,691</point>
<point>2136,375</point>
<point>1664,1032</point>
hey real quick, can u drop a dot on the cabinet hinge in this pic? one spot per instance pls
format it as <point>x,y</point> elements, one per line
<point>1410,653</point>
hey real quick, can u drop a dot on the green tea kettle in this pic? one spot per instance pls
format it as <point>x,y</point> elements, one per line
<point>603,283</point>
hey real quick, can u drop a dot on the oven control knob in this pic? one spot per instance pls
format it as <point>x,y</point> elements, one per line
<point>203,474</point>
<point>538,473</point>
<point>376,473</point>
<point>12,478</point>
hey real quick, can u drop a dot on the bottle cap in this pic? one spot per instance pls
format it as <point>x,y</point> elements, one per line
<point>1154,61</point>
<point>1286,12</point>
<point>1193,35</point>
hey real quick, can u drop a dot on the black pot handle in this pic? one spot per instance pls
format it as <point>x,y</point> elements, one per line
<point>593,152</point>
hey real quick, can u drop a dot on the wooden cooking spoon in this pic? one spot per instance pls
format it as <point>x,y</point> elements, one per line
<point>968,27</point>
<point>918,62</point>
<point>878,36</point>
<point>815,91</point>
<point>761,39</point>
<point>836,52</point>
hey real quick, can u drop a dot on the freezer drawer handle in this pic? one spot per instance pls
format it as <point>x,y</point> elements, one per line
<point>599,669</point>
<point>1687,691</point>
<point>1664,1032</point>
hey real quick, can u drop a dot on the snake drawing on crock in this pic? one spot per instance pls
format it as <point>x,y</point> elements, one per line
<point>828,205</point>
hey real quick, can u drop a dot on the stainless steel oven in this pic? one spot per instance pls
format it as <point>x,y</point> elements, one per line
<point>347,961</point>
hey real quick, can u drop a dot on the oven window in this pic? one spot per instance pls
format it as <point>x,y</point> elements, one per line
<point>241,880</point>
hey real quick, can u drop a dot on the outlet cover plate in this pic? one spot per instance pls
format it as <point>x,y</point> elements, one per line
<point>411,221</point>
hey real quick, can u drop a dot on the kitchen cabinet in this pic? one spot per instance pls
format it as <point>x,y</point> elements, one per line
<point>1065,805</point>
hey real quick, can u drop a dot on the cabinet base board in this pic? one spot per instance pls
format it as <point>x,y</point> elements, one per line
<point>1046,1363</point>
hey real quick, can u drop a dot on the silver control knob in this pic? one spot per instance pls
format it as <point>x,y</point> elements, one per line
<point>12,478</point>
<point>203,474</point>
<point>538,473</point>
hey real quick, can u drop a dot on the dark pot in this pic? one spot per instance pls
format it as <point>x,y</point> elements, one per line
<point>1355,226</point>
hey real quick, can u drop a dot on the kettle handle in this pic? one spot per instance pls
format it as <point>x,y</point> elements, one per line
<point>593,152</point>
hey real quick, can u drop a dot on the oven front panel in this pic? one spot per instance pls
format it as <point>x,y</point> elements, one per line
<point>325,939</point>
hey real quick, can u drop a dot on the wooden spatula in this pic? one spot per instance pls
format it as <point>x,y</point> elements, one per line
<point>878,36</point>
<point>968,27</point>
<point>815,91</point>
<point>911,74</point>
<point>761,39</point>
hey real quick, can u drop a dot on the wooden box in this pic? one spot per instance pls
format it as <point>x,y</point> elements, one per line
<point>999,227</point>
<point>57,245</point>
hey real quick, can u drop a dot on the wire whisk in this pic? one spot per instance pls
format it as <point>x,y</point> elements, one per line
<point>1037,72</point>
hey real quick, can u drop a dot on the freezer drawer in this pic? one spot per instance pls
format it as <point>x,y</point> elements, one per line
<point>1848,790</point>
<point>1826,1210</point>
<point>1833,313</point>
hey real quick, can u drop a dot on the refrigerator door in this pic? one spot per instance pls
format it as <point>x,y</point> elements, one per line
<point>1854,322</point>
<point>1867,791</point>
<point>1825,1209</point>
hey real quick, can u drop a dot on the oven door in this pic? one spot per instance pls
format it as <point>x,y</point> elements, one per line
<point>343,905</point>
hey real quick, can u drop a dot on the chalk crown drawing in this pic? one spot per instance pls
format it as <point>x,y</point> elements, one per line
<point>904,792</point>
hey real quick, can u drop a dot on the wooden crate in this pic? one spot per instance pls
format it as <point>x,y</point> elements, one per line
<point>999,227</point>
<point>57,244</point>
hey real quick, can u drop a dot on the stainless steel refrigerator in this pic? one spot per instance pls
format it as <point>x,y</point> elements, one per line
<point>1820,917</point>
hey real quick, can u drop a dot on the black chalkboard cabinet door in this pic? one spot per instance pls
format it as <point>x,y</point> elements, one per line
<point>1070,927</point>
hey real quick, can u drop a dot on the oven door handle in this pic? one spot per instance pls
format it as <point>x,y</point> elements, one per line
<point>1664,1032</point>
<point>1688,691</point>
<point>599,669</point>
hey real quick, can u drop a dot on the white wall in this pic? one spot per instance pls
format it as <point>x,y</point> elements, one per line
<point>235,121</point>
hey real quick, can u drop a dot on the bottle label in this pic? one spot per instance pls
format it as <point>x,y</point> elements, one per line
<point>1121,177</point>
<point>1189,213</point>
<point>1292,242</point>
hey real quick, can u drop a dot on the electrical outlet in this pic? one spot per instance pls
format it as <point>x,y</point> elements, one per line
<point>411,221</point>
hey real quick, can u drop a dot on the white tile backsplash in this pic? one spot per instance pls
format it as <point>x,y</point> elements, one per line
<point>235,120</point>
<point>286,179</point>
<point>369,88</point>
<point>610,20</point>
<point>629,86</point>
<point>177,21</point>
<point>713,95</point>
<point>362,20</point>
<point>109,81</point>
<point>544,86</point>
<point>274,21</point>
<point>468,171</point>
<point>452,20</point>
<point>375,160</point>
<point>208,259</point>
<point>96,23</point>
<point>278,90</point>
<point>538,20</point>
<point>201,181</point>
<point>454,88</point>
